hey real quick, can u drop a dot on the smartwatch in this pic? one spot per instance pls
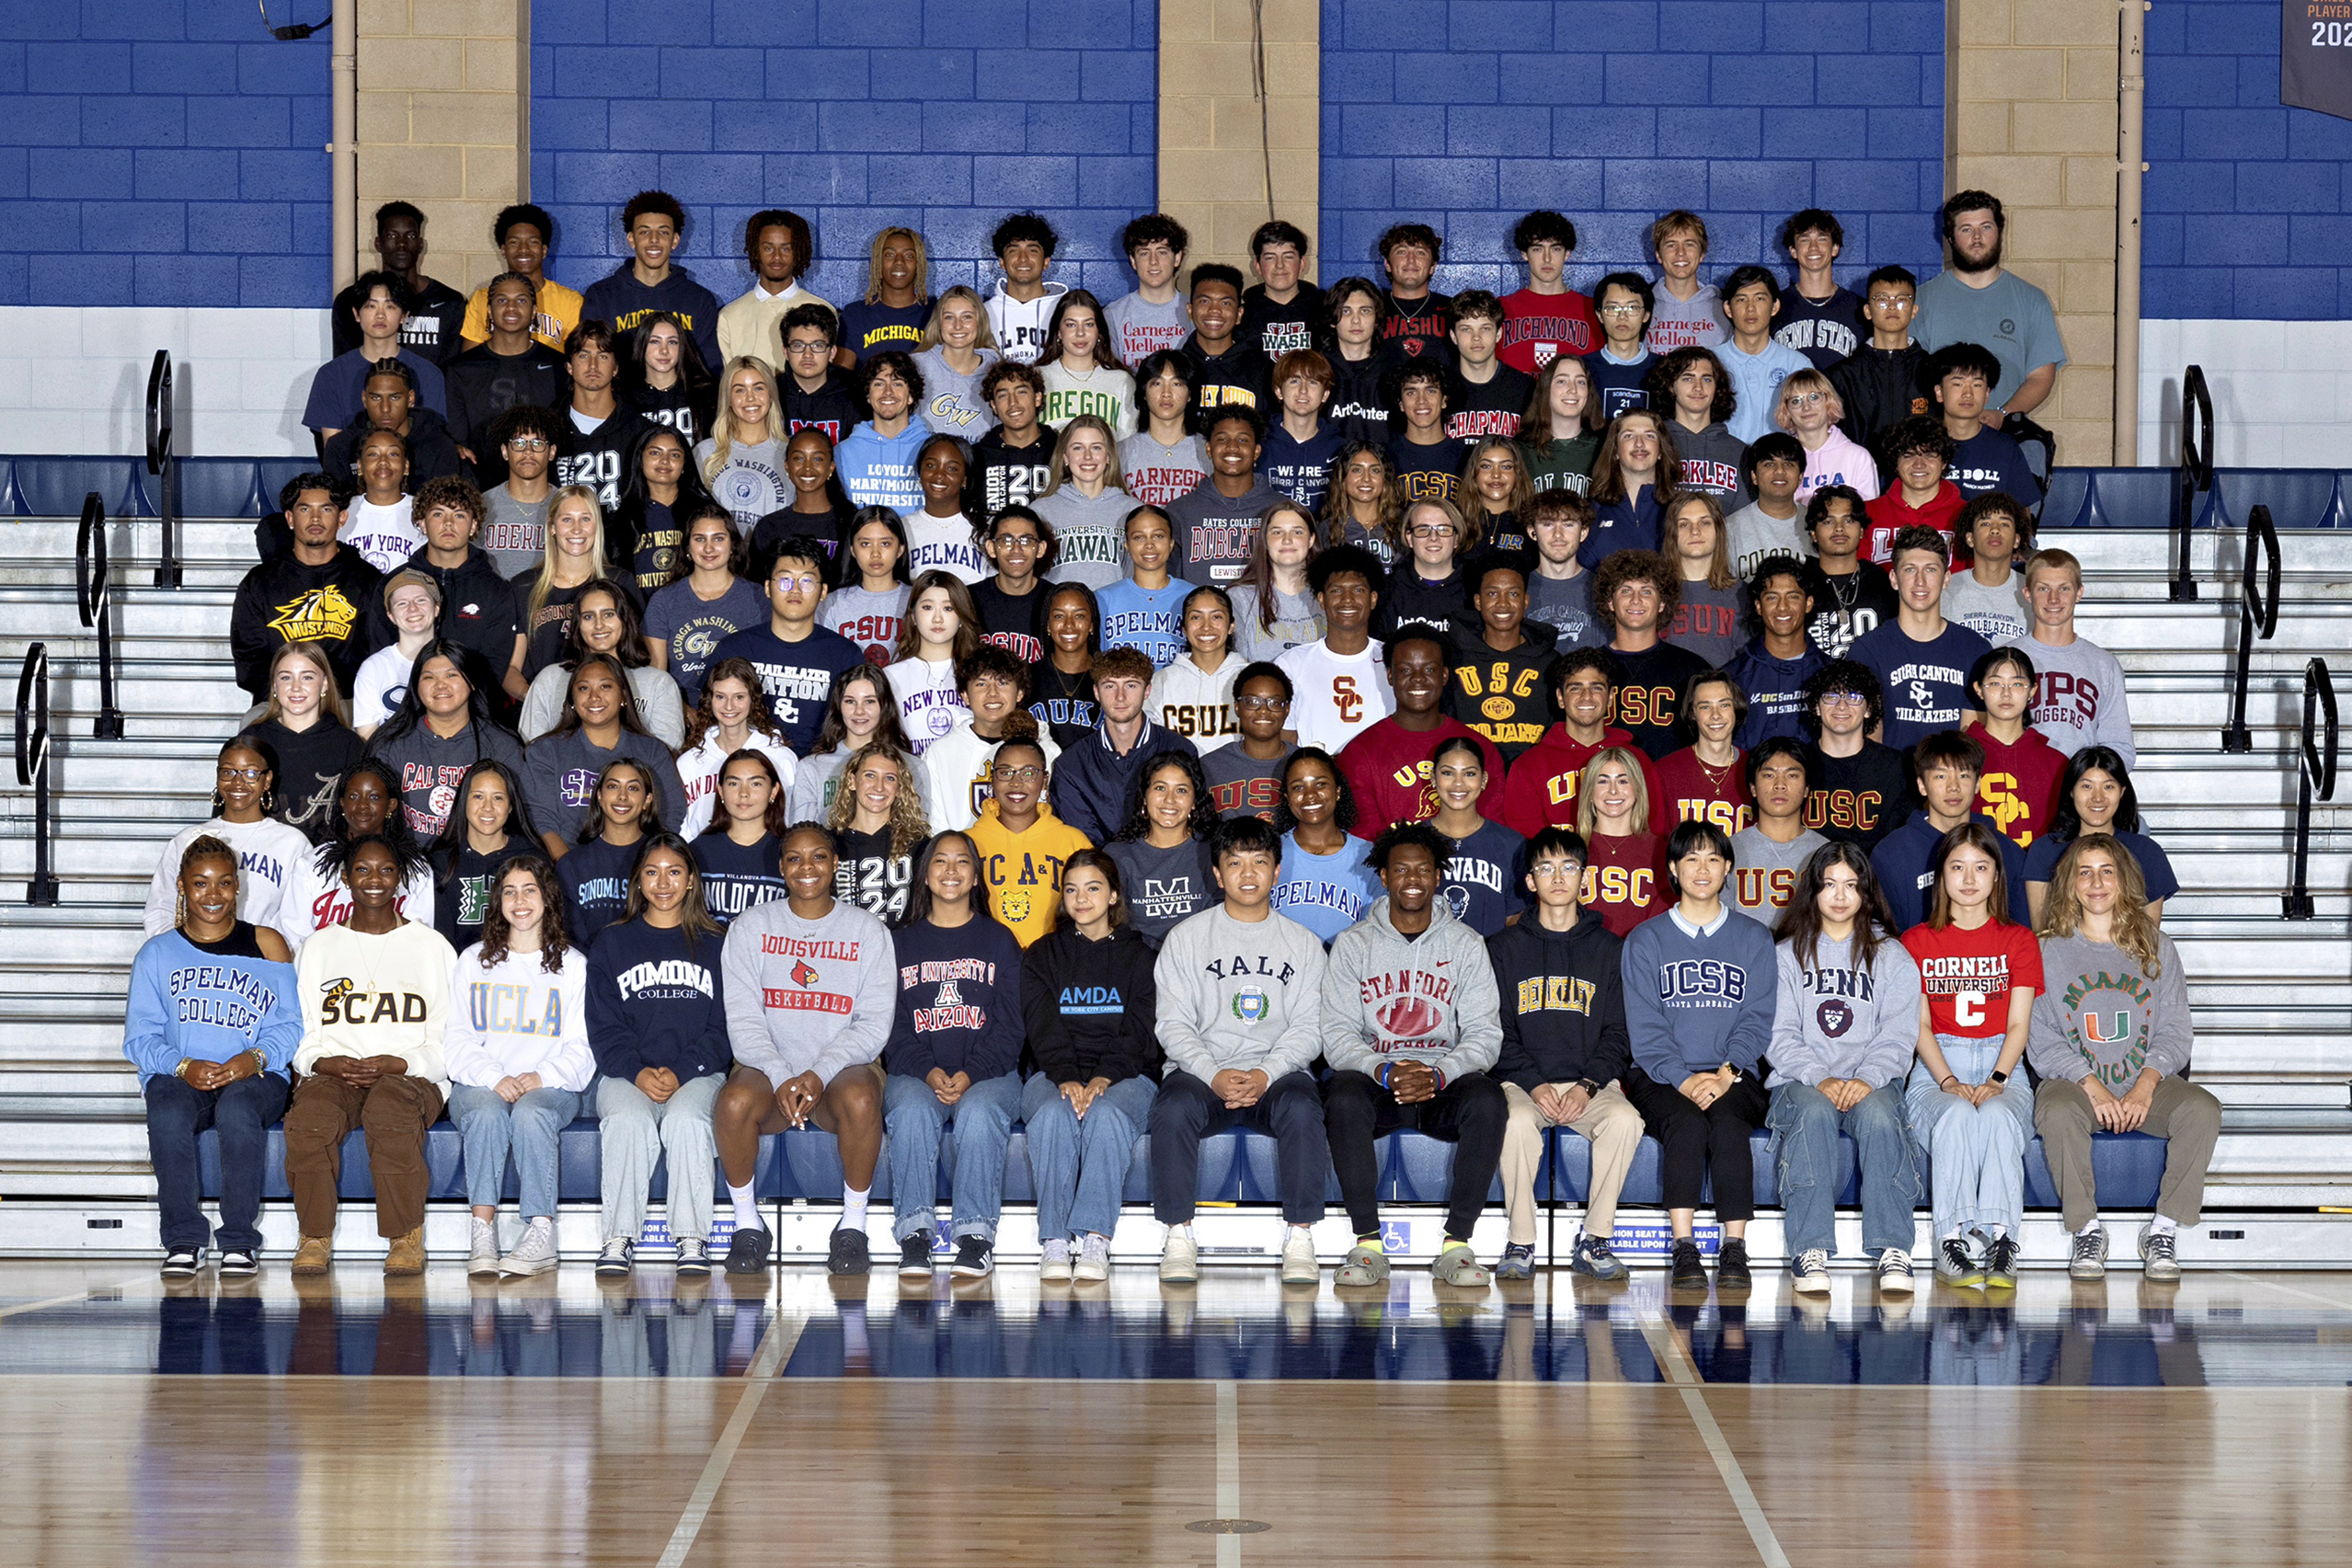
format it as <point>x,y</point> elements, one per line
<point>1999,1077</point>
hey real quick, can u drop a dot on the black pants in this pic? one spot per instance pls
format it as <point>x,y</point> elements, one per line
<point>1690,1139</point>
<point>1469,1112</point>
<point>1186,1112</point>
<point>177,1111</point>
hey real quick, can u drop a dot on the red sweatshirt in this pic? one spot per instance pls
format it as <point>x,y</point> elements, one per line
<point>1694,792</point>
<point>1388,768</point>
<point>2019,787</point>
<point>1890,514</point>
<point>1626,880</point>
<point>1538,328</point>
<point>1541,789</point>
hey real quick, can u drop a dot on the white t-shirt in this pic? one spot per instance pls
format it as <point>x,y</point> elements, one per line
<point>1338,696</point>
<point>698,771</point>
<point>944,544</point>
<point>929,704</point>
<point>384,536</point>
<point>380,686</point>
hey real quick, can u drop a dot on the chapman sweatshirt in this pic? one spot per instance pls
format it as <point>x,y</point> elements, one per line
<point>958,1002</point>
<point>808,996</point>
<point>1089,1006</point>
<point>1834,1018</point>
<point>513,1017</point>
<point>1562,1000</point>
<point>267,854</point>
<point>1699,996</point>
<point>1240,994</point>
<point>208,1004</point>
<point>1389,998</point>
<point>370,996</point>
<point>656,1000</point>
<point>2102,1014</point>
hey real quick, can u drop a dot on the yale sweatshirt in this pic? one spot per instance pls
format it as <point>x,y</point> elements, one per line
<point>1388,998</point>
<point>1239,994</point>
<point>808,996</point>
<point>370,996</point>
<point>1836,1019</point>
<point>513,1017</point>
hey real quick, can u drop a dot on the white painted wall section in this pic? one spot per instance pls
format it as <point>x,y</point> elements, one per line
<point>74,380</point>
<point>2283,390</point>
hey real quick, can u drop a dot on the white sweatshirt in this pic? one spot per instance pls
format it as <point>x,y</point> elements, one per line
<point>368,996</point>
<point>514,1018</point>
<point>1195,703</point>
<point>698,771</point>
<point>267,854</point>
<point>316,899</point>
<point>955,776</point>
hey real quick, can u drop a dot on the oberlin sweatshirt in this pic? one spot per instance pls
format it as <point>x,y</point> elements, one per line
<point>1389,998</point>
<point>1240,994</point>
<point>656,1000</point>
<point>366,995</point>
<point>2103,1014</point>
<point>208,1002</point>
<point>958,1002</point>
<point>1835,1018</point>
<point>1696,998</point>
<point>1089,1006</point>
<point>513,1017</point>
<point>1562,1001</point>
<point>809,995</point>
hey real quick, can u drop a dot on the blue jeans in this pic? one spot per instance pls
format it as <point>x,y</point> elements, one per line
<point>1080,1165</point>
<point>242,1112</point>
<point>915,1124</point>
<point>1976,1154</point>
<point>491,1129</point>
<point>1804,1136</point>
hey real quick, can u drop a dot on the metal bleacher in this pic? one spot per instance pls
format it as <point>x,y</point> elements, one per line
<point>2273,997</point>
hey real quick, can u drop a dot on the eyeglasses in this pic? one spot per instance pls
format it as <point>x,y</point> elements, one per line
<point>1017,541</point>
<point>1432,531</point>
<point>1804,399</point>
<point>1620,310</point>
<point>1019,776</point>
<point>1262,704</point>
<point>1843,699</point>
<point>1887,302</point>
<point>250,775</point>
<point>1556,870</point>
<point>526,443</point>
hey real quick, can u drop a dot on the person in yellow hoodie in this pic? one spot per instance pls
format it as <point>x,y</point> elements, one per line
<point>376,1005</point>
<point>1022,844</point>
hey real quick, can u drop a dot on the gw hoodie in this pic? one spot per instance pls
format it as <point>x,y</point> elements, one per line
<point>808,996</point>
<point>208,1003</point>
<point>1240,994</point>
<point>1835,1019</point>
<point>1089,1006</point>
<point>1389,998</point>
<point>656,1000</point>
<point>1562,1001</point>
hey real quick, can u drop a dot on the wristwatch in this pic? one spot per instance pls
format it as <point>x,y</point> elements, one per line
<point>1587,1086</point>
<point>1998,1077</point>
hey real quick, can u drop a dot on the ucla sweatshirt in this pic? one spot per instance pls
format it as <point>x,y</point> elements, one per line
<point>1240,994</point>
<point>1389,998</point>
<point>513,1017</point>
<point>370,996</point>
<point>808,996</point>
<point>656,1000</point>
<point>959,1003</point>
<point>2102,1014</point>
<point>1833,1018</point>
<point>1699,996</point>
<point>208,1003</point>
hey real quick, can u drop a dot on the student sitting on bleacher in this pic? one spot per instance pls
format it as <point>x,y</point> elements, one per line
<point>2095,795</point>
<point>2111,1037</point>
<point>211,1024</point>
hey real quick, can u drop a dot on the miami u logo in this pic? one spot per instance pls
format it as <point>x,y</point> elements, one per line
<point>2108,1029</point>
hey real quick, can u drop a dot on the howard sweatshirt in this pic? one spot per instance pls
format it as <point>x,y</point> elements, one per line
<point>656,1000</point>
<point>513,1017</point>
<point>1089,1006</point>
<point>959,1001</point>
<point>1698,997</point>
<point>208,1003</point>
<point>1562,1000</point>
<point>2100,1015</point>
<point>1431,999</point>
<point>808,996</point>
<point>369,996</point>
<point>1240,994</point>
<point>1836,1019</point>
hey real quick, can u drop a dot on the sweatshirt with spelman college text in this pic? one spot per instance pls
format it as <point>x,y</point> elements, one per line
<point>808,996</point>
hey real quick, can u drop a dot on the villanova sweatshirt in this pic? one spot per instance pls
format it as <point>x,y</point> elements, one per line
<point>808,996</point>
<point>1238,994</point>
<point>1834,1018</point>
<point>960,1000</point>
<point>1697,997</point>
<point>1388,998</point>
<point>513,1017</point>
<point>208,1004</point>
<point>656,1000</point>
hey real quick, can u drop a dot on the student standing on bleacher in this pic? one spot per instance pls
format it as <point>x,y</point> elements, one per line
<point>319,591</point>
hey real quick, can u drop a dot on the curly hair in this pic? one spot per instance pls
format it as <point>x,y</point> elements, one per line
<point>758,719</point>
<point>2135,932</point>
<point>1199,824</point>
<point>909,825</point>
<point>555,941</point>
<point>1660,382</point>
<point>1343,812</point>
<point>1623,567</point>
<point>1390,517</point>
<point>1846,676</point>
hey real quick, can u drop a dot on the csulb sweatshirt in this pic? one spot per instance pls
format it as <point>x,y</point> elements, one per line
<point>1240,994</point>
<point>1389,998</point>
<point>1089,1006</point>
<point>2101,1015</point>
<point>959,1003</point>
<point>656,1000</point>
<point>513,1017</point>
<point>809,995</point>
<point>1834,1018</point>
<point>367,995</point>
<point>209,1001</point>
<point>1562,996</point>
<point>1697,997</point>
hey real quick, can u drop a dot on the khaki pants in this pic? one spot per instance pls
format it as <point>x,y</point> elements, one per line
<point>394,1113</point>
<point>2186,1117</point>
<point>1612,1125</point>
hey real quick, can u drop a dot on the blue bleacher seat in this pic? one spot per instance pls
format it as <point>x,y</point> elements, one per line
<point>2298,497</point>
<point>56,486</point>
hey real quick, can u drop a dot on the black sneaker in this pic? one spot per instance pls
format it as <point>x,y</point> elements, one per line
<point>239,1263</point>
<point>1731,1267</point>
<point>975,1258</point>
<point>849,1253</point>
<point>747,1252</point>
<point>915,1256</point>
<point>1690,1270</point>
<point>179,1263</point>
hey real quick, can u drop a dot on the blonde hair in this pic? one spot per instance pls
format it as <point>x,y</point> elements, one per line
<point>330,701</point>
<point>2053,559</point>
<point>544,583</point>
<point>986,338</point>
<point>921,266</point>
<point>1718,564</point>
<point>910,824</point>
<point>1587,817</point>
<point>722,429</point>
<point>1113,479</point>
<point>2135,932</point>
<point>1806,381</point>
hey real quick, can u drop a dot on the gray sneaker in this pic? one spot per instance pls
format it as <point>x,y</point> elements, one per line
<point>1955,1265</point>
<point>1094,1260</point>
<point>1458,1264</point>
<point>482,1260</point>
<point>1594,1256</point>
<point>2089,1256</point>
<point>2159,1260</point>
<point>1365,1263</point>
<point>535,1253</point>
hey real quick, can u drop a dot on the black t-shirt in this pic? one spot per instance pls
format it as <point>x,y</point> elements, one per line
<point>1275,330</point>
<point>869,876</point>
<point>834,407</point>
<point>1430,472</point>
<point>1064,703</point>
<point>1849,607</point>
<point>1004,476</point>
<point>1652,695</point>
<point>431,331</point>
<point>482,385</point>
<point>684,411</point>
<point>1476,410</point>
<point>1419,329</point>
<point>1010,620</point>
<point>768,535</point>
<point>1861,798</point>
<point>1357,411</point>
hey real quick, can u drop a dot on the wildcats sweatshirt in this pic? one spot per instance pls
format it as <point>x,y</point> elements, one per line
<point>2102,1014</point>
<point>1089,1006</point>
<point>1562,1002</point>
<point>958,1002</point>
<point>1240,994</point>
<point>1697,997</point>
<point>209,1003</point>
<point>370,996</point>
<point>1834,1018</point>
<point>513,1017</point>
<point>657,999</point>
<point>1429,998</point>
<point>808,996</point>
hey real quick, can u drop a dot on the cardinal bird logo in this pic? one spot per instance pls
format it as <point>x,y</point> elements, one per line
<point>1410,1018</point>
<point>803,974</point>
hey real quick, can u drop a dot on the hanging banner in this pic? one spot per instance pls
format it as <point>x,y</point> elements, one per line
<point>2315,55</point>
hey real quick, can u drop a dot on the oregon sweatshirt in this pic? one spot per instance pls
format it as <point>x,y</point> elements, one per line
<point>208,1003</point>
<point>370,996</point>
<point>656,1000</point>
<point>959,1001</point>
<point>1240,994</point>
<point>2102,1015</point>
<point>1562,1001</point>
<point>1431,999</point>
<point>808,996</point>
<point>1698,997</point>
<point>1836,1019</point>
<point>513,1017</point>
<point>1089,1006</point>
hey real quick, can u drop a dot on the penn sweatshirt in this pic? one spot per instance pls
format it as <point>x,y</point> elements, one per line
<point>2100,1015</point>
<point>376,995</point>
<point>267,854</point>
<point>1431,999</point>
<point>656,1000</point>
<point>1240,994</point>
<point>958,1002</point>
<point>808,996</point>
<point>1562,995</point>
<point>512,1017</point>
<point>1089,1006</point>
<point>1698,997</point>
<point>208,1003</point>
<point>1836,1019</point>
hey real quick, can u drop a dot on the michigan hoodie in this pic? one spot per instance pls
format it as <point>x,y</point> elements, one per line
<point>808,996</point>
<point>1388,998</point>
<point>622,303</point>
<point>1240,994</point>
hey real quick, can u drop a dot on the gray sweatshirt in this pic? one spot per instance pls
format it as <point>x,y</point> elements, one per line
<point>1429,998</point>
<point>1833,1020</point>
<point>560,774</point>
<point>2079,697</point>
<point>808,996</point>
<point>1091,536</point>
<point>659,703</point>
<point>1763,873</point>
<point>1238,994</point>
<point>2101,1015</point>
<point>1298,619</point>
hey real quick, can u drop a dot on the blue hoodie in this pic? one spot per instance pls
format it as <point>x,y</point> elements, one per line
<point>1775,689</point>
<point>189,1002</point>
<point>1905,858</point>
<point>878,470</point>
<point>622,303</point>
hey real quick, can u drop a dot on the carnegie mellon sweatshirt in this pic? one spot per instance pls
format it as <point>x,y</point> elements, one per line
<point>1388,998</point>
<point>1089,1006</point>
<point>1835,1018</point>
<point>1240,994</point>
<point>656,1000</point>
<point>958,1002</point>
<point>369,995</point>
<point>1562,1000</point>
<point>808,996</point>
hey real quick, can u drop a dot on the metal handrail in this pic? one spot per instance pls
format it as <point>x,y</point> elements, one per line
<point>94,596</point>
<point>2195,478</point>
<point>165,465</point>
<point>32,766</point>
<point>2257,619</point>
<point>2317,773</point>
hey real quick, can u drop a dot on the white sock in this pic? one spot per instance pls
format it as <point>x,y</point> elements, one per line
<point>2162,1226</point>
<point>853,1207</point>
<point>1184,1229</point>
<point>1994,1233</point>
<point>747,1208</point>
<point>2093,1229</point>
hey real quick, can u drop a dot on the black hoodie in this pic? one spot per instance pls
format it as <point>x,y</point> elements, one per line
<point>1563,1002</point>
<point>836,408</point>
<point>478,612</point>
<point>432,452</point>
<point>1504,696</point>
<point>598,458</point>
<point>1089,1006</point>
<point>281,601</point>
<point>1878,387</point>
<point>1358,407</point>
<point>1005,475</point>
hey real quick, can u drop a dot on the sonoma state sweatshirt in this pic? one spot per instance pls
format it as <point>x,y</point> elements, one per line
<point>657,999</point>
<point>376,995</point>
<point>208,1003</point>
<point>513,1017</point>
<point>1240,994</point>
<point>809,995</point>
<point>1699,996</point>
<point>1388,998</point>
<point>1834,1018</point>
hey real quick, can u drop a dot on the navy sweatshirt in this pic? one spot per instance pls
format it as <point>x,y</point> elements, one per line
<point>1563,1002</point>
<point>960,1000</point>
<point>1090,1006</point>
<point>1091,779</point>
<point>596,887</point>
<point>654,1002</point>
<point>1693,1003</point>
<point>622,303</point>
<point>736,877</point>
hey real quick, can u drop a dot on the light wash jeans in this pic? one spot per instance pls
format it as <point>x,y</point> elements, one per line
<point>1805,1137</point>
<point>1976,1154</point>
<point>636,1133</point>
<point>491,1129</point>
<point>1080,1166</point>
<point>976,1129</point>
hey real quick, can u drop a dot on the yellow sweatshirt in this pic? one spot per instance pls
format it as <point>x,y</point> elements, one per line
<point>1023,871</point>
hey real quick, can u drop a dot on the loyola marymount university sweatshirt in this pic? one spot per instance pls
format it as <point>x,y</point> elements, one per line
<point>808,996</point>
<point>1833,1018</point>
<point>2103,1014</point>
<point>1388,998</point>
<point>1240,994</point>
<point>368,995</point>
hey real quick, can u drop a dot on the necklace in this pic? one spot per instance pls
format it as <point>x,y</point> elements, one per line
<point>1844,596</point>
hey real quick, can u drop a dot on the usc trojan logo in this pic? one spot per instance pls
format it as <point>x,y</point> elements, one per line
<point>321,616</point>
<point>803,974</point>
<point>1346,698</point>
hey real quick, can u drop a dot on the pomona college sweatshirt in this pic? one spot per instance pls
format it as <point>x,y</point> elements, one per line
<point>657,999</point>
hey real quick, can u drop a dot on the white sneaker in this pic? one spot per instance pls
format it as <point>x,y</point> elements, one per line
<point>535,1253</point>
<point>482,1261</point>
<point>1054,1268</point>
<point>1299,1265</point>
<point>1180,1259</point>
<point>1895,1272</point>
<point>1811,1274</point>
<point>1094,1260</point>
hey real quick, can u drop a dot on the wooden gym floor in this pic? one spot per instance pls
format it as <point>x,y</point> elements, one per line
<point>823,1422</point>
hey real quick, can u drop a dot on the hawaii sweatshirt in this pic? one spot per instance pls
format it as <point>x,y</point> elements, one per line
<point>1431,999</point>
<point>512,1017</point>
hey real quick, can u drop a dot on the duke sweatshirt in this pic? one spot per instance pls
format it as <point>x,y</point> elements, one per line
<point>208,1004</point>
<point>1562,1000</point>
<point>656,1000</point>
<point>370,996</point>
<point>1834,1018</point>
<point>958,1002</point>
<point>1389,998</point>
<point>513,1017</point>
<point>2100,1013</point>
<point>1089,1006</point>
<point>1240,994</point>
<point>808,996</point>
<point>1699,996</point>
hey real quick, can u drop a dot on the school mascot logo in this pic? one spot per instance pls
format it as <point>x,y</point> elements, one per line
<point>1410,1018</point>
<point>1922,694</point>
<point>2108,1029</point>
<point>804,974</point>
<point>1457,900</point>
<point>1833,1018</point>
<point>323,614</point>
<point>1251,1005</point>
<point>1014,905</point>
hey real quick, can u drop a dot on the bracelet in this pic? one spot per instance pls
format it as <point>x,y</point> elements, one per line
<point>1949,1078</point>
<point>180,1071</point>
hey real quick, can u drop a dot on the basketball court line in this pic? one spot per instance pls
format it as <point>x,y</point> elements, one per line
<point>2340,1305</point>
<point>77,1296</point>
<point>1228,1471</point>
<point>1676,1364</point>
<point>776,1345</point>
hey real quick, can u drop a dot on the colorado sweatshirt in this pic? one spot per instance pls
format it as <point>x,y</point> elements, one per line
<point>1429,998</point>
<point>1834,1018</point>
<point>513,1017</point>
<point>208,1003</point>
<point>808,996</point>
<point>1240,994</point>
<point>369,996</point>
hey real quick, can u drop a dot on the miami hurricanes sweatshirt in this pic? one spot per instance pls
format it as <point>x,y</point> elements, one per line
<point>1389,998</point>
<point>2102,1014</point>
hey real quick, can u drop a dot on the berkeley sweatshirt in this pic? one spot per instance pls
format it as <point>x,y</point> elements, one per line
<point>208,1003</point>
<point>1431,999</point>
<point>1836,1019</point>
<point>513,1017</point>
<point>369,996</point>
<point>808,996</point>
<point>1240,994</point>
<point>656,1000</point>
<point>1562,1000</point>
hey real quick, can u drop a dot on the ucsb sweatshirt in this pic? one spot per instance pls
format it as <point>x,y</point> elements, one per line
<point>808,996</point>
<point>1699,996</point>
<point>656,1000</point>
<point>958,1002</point>
<point>367,995</point>
<point>513,1017</point>
<point>1388,998</point>
<point>1090,1005</point>
<point>1240,994</point>
<point>209,1003</point>
<point>2102,1014</point>
<point>1835,1018</point>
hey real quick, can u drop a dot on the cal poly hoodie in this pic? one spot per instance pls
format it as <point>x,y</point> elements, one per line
<point>808,996</point>
<point>1020,324</point>
<point>1240,994</point>
<point>1389,998</point>
<point>1562,1001</point>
